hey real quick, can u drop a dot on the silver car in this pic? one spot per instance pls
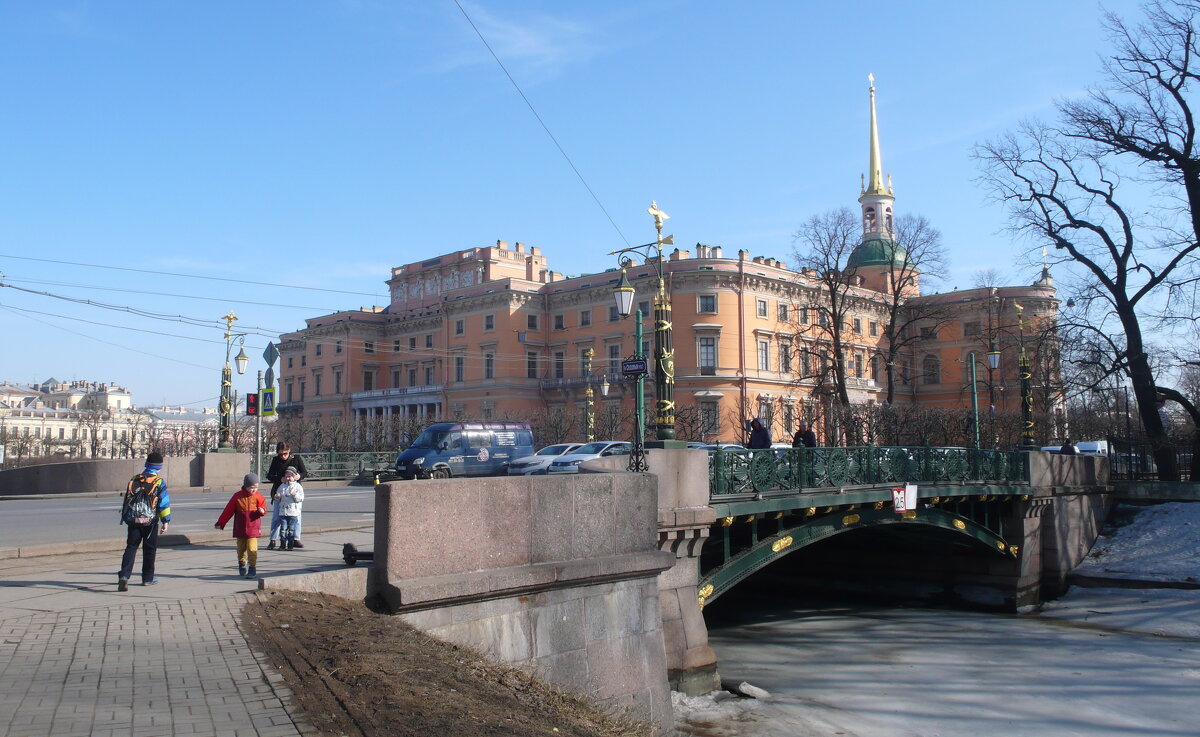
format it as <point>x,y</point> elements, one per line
<point>537,463</point>
<point>570,462</point>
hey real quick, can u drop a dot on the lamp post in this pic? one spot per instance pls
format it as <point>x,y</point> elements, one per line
<point>623,293</point>
<point>591,395</point>
<point>1026,373</point>
<point>974,399</point>
<point>993,358</point>
<point>226,405</point>
<point>664,353</point>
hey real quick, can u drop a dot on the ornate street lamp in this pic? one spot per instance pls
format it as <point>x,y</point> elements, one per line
<point>226,405</point>
<point>974,399</point>
<point>1026,373</point>
<point>591,395</point>
<point>623,294</point>
<point>664,353</point>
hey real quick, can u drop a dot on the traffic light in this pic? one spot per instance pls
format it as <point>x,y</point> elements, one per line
<point>252,404</point>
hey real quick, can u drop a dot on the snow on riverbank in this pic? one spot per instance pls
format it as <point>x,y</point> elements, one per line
<point>1161,544</point>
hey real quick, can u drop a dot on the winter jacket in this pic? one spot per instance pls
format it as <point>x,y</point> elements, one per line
<point>291,496</point>
<point>279,465</point>
<point>163,512</point>
<point>246,508</point>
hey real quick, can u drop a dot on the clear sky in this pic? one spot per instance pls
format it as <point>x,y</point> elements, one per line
<point>312,146</point>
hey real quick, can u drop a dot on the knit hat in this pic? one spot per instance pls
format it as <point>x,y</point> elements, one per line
<point>250,480</point>
<point>155,458</point>
<point>291,470</point>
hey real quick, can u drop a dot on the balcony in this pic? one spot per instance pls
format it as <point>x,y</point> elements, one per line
<point>400,391</point>
<point>579,382</point>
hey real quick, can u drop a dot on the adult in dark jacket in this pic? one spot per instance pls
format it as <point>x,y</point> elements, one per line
<point>1068,448</point>
<point>284,457</point>
<point>804,436</point>
<point>760,437</point>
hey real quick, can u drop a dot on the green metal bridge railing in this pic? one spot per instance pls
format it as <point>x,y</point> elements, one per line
<point>330,465</point>
<point>792,469</point>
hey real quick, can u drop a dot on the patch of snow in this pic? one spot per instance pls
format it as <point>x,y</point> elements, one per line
<point>1162,543</point>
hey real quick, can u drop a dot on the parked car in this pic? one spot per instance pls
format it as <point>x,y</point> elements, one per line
<point>537,463</point>
<point>464,449</point>
<point>724,446</point>
<point>570,463</point>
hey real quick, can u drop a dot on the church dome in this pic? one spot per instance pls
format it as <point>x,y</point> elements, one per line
<point>876,252</point>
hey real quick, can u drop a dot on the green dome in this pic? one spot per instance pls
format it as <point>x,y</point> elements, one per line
<point>876,252</point>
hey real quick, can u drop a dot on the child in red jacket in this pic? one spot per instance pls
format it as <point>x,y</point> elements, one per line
<point>246,507</point>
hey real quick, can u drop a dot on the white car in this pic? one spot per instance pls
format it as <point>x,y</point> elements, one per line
<point>539,461</point>
<point>570,462</point>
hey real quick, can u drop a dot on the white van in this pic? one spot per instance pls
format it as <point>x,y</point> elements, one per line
<point>1083,448</point>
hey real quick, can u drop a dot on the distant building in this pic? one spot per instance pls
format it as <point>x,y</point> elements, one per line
<point>492,332</point>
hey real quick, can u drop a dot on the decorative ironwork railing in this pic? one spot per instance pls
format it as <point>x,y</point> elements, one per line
<point>780,469</point>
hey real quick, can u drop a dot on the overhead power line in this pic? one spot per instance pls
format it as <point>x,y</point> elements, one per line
<point>181,296</point>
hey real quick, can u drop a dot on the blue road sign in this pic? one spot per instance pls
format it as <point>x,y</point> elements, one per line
<point>633,367</point>
<point>266,403</point>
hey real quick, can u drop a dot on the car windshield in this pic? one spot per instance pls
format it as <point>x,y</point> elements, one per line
<point>592,448</point>
<point>429,439</point>
<point>554,450</point>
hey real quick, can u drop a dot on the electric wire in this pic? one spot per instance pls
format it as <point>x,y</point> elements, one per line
<point>169,294</point>
<point>541,122</point>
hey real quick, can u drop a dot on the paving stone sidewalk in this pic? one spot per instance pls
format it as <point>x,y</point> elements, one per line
<point>79,658</point>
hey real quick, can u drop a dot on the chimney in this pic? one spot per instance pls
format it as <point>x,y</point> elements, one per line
<point>520,247</point>
<point>501,245</point>
<point>743,254</point>
<point>716,252</point>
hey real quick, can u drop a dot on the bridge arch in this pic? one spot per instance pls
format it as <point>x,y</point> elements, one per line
<point>805,533</point>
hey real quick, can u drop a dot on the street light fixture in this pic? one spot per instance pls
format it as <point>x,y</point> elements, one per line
<point>1026,373</point>
<point>623,294</point>
<point>591,395</point>
<point>226,405</point>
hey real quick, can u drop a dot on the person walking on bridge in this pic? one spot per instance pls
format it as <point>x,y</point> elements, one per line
<point>146,505</point>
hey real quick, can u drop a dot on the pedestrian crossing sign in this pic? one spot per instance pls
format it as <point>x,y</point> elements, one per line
<point>266,402</point>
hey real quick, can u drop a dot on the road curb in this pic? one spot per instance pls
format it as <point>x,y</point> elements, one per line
<point>168,540</point>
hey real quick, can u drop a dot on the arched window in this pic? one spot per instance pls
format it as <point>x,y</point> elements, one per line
<point>931,370</point>
<point>869,218</point>
<point>887,218</point>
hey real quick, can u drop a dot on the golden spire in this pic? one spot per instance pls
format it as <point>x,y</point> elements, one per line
<point>875,177</point>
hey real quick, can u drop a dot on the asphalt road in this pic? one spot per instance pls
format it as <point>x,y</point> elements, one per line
<point>78,517</point>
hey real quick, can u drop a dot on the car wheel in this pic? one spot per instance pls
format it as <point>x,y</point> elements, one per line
<point>440,473</point>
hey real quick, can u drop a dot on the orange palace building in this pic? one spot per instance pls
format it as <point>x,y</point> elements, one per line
<point>494,333</point>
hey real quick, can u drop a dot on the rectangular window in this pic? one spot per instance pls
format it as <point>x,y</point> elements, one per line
<point>707,303</point>
<point>531,365</point>
<point>766,412</point>
<point>614,358</point>
<point>823,319</point>
<point>585,365</point>
<point>429,376</point>
<point>789,418</point>
<point>460,368</point>
<point>971,329</point>
<point>560,364</point>
<point>805,363</point>
<point>317,349</point>
<point>460,327</point>
<point>858,365</point>
<point>429,340</point>
<point>412,377</point>
<point>858,325</point>
<point>761,307</point>
<point>301,391</point>
<point>337,347</point>
<point>708,356</point>
<point>782,312</point>
<point>585,318</point>
<point>644,308</point>
<point>337,382</point>
<point>395,346</point>
<point>764,355</point>
<point>317,385</point>
<point>289,392</point>
<point>710,415</point>
<point>531,322</point>
<point>613,315</point>
<point>928,333</point>
<point>369,346</point>
<point>368,381</point>
<point>289,361</point>
<point>560,322</point>
<point>412,343</point>
<point>395,378</point>
<point>785,358</point>
<point>489,365</point>
<point>802,316</point>
<point>875,368</point>
<point>874,327</point>
<point>489,322</point>
<point>303,361</point>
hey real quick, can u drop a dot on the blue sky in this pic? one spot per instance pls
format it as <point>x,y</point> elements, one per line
<point>312,146</point>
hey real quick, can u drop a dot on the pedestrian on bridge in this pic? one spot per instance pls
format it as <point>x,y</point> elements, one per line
<point>760,436</point>
<point>146,504</point>
<point>284,457</point>
<point>804,436</point>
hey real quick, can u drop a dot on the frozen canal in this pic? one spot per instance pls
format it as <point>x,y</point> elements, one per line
<point>1098,663</point>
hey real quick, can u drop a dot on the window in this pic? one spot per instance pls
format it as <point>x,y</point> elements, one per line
<point>412,343</point>
<point>301,390</point>
<point>707,353</point>
<point>709,419</point>
<point>316,385</point>
<point>644,308</point>
<point>613,315</point>
<point>337,347</point>
<point>785,358</point>
<point>303,361</point>
<point>707,303</point>
<point>531,322</point>
<point>802,316</point>
<point>614,357</point>
<point>560,364</point>
<point>858,325</point>
<point>289,361</point>
<point>369,346</point>
<point>368,381</point>
<point>931,370</point>
<point>874,328</point>
<point>971,329</point>
<point>928,333</point>
<point>766,413</point>
<point>823,319</point>
<point>395,378</point>
<point>429,340</point>
<point>560,322</point>
<point>858,365</point>
<point>531,365</point>
<point>412,377</point>
<point>395,346</point>
<point>429,376</point>
<point>875,362</point>
<point>782,310</point>
<point>459,368</point>
<point>761,307</point>
<point>460,327</point>
<point>585,364</point>
<point>585,318</point>
<point>489,365</point>
<point>805,363</point>
<point>337,382</point>
<point>489,322</point>
<point>764,355</point>
<point>289,393</point>
<point>317,349</point>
